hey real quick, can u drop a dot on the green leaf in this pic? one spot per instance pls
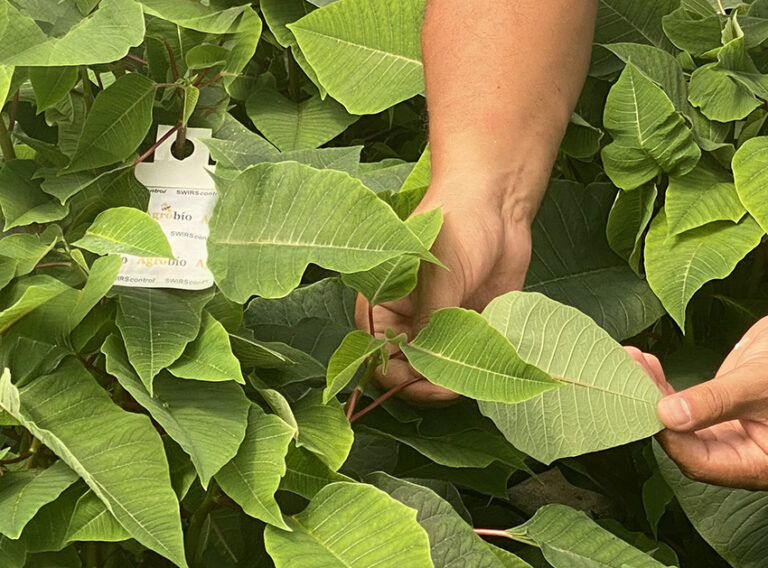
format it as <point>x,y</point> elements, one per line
<point>216,17</point>
<point>118,454</point>
<point>695,33</point>
<point>608,399</point>
<point>356,347</point>
<point>569,538</point>
<point>118,122</point>
<point>51,84</point>
<point>156,325</point>
<point>727,90</point>
<point>6,78</point>
<point>396,278</point>
<point>659,66</point>
<point>13,553</point>
<point>366,53</point>
<point>750,172</point>
<point>453,542</point>
<point>294,126</point>
<point>469,448</point>
<point>278,13</point>
<point>625,20</point>
<point>487,368</point>
<point>28,295</point>
<point>22,493</point>
<point>243,46</point>
<point>23,42</point>
<point>209,357</point>
<point>581,140</point>
<point>627,222</point>
<point>47,530</point>
<point>677,266</point>
<point>253,476</point>
<point>573,263</point>
<point>323,429</point>
<point>703,195</point>
<point>732,521</point>
<point>22,200</point>
<point>649,137</point>
<point>306,475</point>
<point>27,249</point>
<point>191,96</point>
<point>125,230</point>
<point>352,525</point>
<point>207,420</point>
<point>235,147</point>
<point>274,219</point>
<point>91,521</point>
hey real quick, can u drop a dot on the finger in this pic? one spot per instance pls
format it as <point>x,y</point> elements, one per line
<point>657,373</point>
<point>759,330</point>
<point>740,394</point>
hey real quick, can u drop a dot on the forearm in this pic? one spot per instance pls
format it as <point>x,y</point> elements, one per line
<point>502,79</point>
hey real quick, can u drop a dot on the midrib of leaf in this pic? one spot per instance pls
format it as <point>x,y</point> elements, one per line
<point>119,119</point>
<point>569,276</point>
<point>373,50</point>
<point>687,274</point>
<point>112,240</point>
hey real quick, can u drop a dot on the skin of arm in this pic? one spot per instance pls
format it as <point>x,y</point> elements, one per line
<point>502,79</point>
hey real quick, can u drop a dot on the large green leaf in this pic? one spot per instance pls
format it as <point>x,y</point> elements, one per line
<point>22,200</point>
<point>649,137</point>
<point>570,538</point>
<point>23,41</point>
<point>732,521</point>
<point>294,126</point>
<point>396,278</point>
<point>22,493</point>
<point>352,525</point>
<point>323,429</point>
<point>573,263</point>
<point>253,476</point>
<point>92,521</point>
<point>118,454</point>
<point>750,173</point>
<point>125,230</point>
<point>119,120</point>
<point>208,420</point>
<point>13,553</point>
<point>677,266</point>
<point>697,33</point>
<point>156,325</point>
<point>214,17</point>
<point>274,219</point>
<point>625,20</point>
<point>453,542</point>
<point>209,357</point>
<point>627,222</point>
<point>703,195</point>
<point>279,13</point>
<point>366,53</point>
<point>461,352</point>
<point>607,400</point>
<point>27,249</point>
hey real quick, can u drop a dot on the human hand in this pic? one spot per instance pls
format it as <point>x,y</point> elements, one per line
<point>717,432</point>
<point>485,243</point>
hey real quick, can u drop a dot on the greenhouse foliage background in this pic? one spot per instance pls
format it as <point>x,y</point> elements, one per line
<point>148,427</point>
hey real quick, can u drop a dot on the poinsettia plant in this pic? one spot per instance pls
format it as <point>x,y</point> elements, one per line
<point>238,425</point>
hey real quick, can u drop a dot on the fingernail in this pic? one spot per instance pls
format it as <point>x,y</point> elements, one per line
<point>675,412</point>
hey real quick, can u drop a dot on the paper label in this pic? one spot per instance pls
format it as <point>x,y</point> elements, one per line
<point>182,197</point>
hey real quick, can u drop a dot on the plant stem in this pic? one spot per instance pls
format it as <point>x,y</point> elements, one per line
<point>200,77</point>
<point>6,144</point>
<point>371,365</point>
<point>493,532</point>
<point>137,59</point>
<point>52,264</point>
<point>92,555</point>
<point>383,398</point>
<point>181,142</point>
<point>192,539</point>
<point>87,92</point>
<point>13,111</point>
<point>370,319</point>
<point>293,77</point>
<point>212,80</point>
<point>21,458</point>
<point>34,450</point>
<point>172,58</point>
<point>722,8</point>
<point>157,144</point>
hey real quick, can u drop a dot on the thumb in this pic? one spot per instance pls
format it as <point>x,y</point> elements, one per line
<point>735,395</point>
